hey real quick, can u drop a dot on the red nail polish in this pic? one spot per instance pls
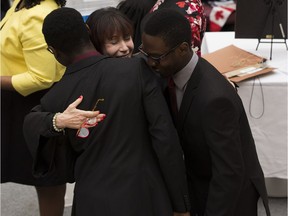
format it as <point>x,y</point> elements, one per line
<point>81,96</point>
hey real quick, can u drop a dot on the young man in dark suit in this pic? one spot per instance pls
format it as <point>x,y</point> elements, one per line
<point>129,164</point>
<point>224,174</point>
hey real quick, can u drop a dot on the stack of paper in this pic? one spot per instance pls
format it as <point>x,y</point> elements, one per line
<point>237,64</point>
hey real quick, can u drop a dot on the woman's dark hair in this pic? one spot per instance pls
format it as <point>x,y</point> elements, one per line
<point>136,10</point>
<point>31,3</point>
<point>168,24</point>
<point>104,22</point>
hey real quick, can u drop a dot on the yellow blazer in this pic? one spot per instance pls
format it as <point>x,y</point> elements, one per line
<point>24,54</point>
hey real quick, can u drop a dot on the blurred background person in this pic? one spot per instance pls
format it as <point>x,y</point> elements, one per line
<point>136,10</point>
<point>27,68</point>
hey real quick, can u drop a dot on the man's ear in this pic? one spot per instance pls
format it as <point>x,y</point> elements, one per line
<point>55,52</point>
<point>184,48</point>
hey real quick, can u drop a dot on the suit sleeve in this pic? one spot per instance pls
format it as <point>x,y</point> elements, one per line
<point>165,141</point>
<point>221,128</point>
<point>43,141</point>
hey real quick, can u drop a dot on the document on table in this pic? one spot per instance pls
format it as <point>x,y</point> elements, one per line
<point>237,64</point>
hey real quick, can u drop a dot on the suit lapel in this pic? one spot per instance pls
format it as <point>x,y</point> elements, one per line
<point>188,96</point>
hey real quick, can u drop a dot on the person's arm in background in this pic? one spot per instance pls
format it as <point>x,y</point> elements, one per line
<point>42,69</point>
<point>6,83</point>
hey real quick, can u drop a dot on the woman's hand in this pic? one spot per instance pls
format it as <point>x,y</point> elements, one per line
<point>73,118</point>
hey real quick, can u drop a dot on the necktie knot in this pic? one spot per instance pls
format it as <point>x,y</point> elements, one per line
<point>171,83</point>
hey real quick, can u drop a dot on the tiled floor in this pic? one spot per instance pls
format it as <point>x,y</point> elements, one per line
<point>21,200</point>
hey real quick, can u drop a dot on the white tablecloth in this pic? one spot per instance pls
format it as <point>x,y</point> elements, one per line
<point>264,99</point>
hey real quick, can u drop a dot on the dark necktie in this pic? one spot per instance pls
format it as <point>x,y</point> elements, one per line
<point>173,100</point>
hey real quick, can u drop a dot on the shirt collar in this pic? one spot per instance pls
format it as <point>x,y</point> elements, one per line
<point>181,78</point>
<point>86,55</point>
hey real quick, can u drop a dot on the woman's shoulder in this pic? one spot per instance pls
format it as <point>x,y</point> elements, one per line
<point>32,19</point>
<point>40,11</point>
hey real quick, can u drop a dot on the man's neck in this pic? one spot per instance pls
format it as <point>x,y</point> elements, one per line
<point>185,60</point>
<point>86,54</point>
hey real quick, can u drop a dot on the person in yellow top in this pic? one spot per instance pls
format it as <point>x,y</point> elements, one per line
<point>26,66</point>
<point>27,69</point>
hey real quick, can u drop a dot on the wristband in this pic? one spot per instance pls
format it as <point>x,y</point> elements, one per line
<point>54,123</point>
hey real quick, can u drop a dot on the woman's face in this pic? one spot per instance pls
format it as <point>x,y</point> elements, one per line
<point>118,46</point>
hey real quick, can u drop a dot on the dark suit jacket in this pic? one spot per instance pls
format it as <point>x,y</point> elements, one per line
<point>131,163</point>
<point>224,174</point>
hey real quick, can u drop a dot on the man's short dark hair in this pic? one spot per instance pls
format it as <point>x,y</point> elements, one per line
<point>64,29</point>
<point>172,26</point>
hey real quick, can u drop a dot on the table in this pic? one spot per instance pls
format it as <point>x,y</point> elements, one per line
<point>265,101</point>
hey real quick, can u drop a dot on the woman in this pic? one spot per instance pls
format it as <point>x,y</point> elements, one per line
<point>27,68</point>
<point>111,32</point>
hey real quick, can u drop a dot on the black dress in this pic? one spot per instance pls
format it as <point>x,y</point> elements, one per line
<point>16,159</point>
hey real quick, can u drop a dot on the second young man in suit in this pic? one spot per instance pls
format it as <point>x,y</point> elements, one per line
<point>224,174</point>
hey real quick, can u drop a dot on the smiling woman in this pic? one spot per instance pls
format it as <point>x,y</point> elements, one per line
<point>111,32</point>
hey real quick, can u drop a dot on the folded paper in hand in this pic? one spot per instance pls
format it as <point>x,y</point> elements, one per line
<point>237,64</point>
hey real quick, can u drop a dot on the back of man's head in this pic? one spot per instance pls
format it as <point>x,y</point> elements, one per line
<point>64,29</point>
<point>172,26</point>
